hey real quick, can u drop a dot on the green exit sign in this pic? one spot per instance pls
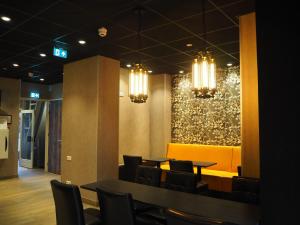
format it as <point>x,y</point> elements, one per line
<point>60,52</point>
<point>34,95</point>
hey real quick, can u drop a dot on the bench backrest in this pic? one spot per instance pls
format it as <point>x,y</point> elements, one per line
<point>226,157</point>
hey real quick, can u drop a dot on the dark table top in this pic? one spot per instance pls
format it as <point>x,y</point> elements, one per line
<point>203,164</point>
<point>195,163</point>
<point>156,159</point>
<point>224,210</point>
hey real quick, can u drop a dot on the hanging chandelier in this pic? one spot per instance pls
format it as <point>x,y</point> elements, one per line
<point>204,69</point>
<point>138,84</point>
<point>138,76</point>
<point>204,76</point>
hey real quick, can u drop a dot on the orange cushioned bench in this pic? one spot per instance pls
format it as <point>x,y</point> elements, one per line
<point>219,176</point>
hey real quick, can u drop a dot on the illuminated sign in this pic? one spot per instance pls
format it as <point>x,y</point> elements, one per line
<point>34,95</point>
<point>60,52</point>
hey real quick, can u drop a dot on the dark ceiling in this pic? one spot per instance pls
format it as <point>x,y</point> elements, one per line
<point>167,26</point>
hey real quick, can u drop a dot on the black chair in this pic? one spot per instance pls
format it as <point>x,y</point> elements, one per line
<point>181,166</point>
<point>187,166</point>
<point>117,209</point>
<point>148,175</point>
<point>180,218</point>
<point>130,166</point>
<point>68,206</point>
<point>245,189</point>
<point>182,181</point>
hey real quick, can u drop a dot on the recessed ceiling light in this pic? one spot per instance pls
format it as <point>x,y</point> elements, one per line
<point>15,65</point>
<point>181,71</point>
<point>189,45</point>
<point>128,65</point>
<point>42,79</point>
<point>82,42</point>
<point>43,55</point>
<point>229,64</point>
<point>149,71</point>
<point>5,18</point>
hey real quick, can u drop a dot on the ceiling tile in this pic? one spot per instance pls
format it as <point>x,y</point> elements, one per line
<point>166,33</point>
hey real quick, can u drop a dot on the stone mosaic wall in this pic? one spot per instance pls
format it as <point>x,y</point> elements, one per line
<point>214,121</point>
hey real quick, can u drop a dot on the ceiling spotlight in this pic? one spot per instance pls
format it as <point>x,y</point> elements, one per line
<point>42,79</point>
<point>5,18</point>
<point>102,32</point>
<point>128,65</point>
<point>229,64</point>
<point>82,42</point>
<point>149,71</point>
<point>43,55</point>
<point>181,71</point>
<point>189,45</point>
<point>15,65</point>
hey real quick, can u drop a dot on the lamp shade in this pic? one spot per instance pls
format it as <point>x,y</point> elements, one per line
<point>204,76</point>
<point>138,84</point>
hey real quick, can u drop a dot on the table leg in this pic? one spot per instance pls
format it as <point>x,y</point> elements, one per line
<point>199,176</point>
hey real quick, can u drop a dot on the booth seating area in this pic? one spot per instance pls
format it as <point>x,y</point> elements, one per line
<point>219,176</point>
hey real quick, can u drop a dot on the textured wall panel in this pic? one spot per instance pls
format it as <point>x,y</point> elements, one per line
<point>214,121</point>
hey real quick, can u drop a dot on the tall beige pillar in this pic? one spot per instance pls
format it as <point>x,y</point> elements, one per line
<point>160,114</point>
<point>249,97</point>
<point>90,122</point>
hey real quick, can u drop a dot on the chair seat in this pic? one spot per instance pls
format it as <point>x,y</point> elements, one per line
<point>140,207</point>
<point>91,220</point>
<point>93,212</point>
<point>201,186</point>
<point>147,220</point>
<point>157,214</point>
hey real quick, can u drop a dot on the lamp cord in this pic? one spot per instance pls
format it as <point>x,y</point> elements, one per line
<point>139,32</point>
<point>203,20</point>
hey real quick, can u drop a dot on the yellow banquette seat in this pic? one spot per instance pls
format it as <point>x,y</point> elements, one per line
<point>219,176</point>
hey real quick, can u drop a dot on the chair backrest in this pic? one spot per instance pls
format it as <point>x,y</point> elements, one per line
<point>179,218</point>
<point>245,189</point>
<point>116,208</point>
<point>68,204</point>
<point>130,165</point>
<point>181,181</point>
<point>239,169</point>
<point>148,175</point>
<point>181,165</point>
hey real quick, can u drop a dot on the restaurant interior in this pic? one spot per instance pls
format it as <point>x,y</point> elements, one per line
<point>147,112</point>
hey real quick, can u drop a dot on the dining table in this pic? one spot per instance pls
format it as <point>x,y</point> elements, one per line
<point>212,208</point>
<point>198,164</point>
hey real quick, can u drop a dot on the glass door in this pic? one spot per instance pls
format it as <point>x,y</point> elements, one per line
<point>27,138</point>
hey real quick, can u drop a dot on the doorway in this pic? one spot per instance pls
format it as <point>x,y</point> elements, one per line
<point>26,138</point>
<point>40,134</point>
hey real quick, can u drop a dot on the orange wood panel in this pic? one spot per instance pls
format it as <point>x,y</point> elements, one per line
<point>249,96</point>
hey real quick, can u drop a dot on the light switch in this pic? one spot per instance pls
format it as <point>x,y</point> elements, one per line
<point>69,158</point>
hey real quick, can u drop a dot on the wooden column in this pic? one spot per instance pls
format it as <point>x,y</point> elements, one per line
<point>90,118</point>
<point>249,97</point>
